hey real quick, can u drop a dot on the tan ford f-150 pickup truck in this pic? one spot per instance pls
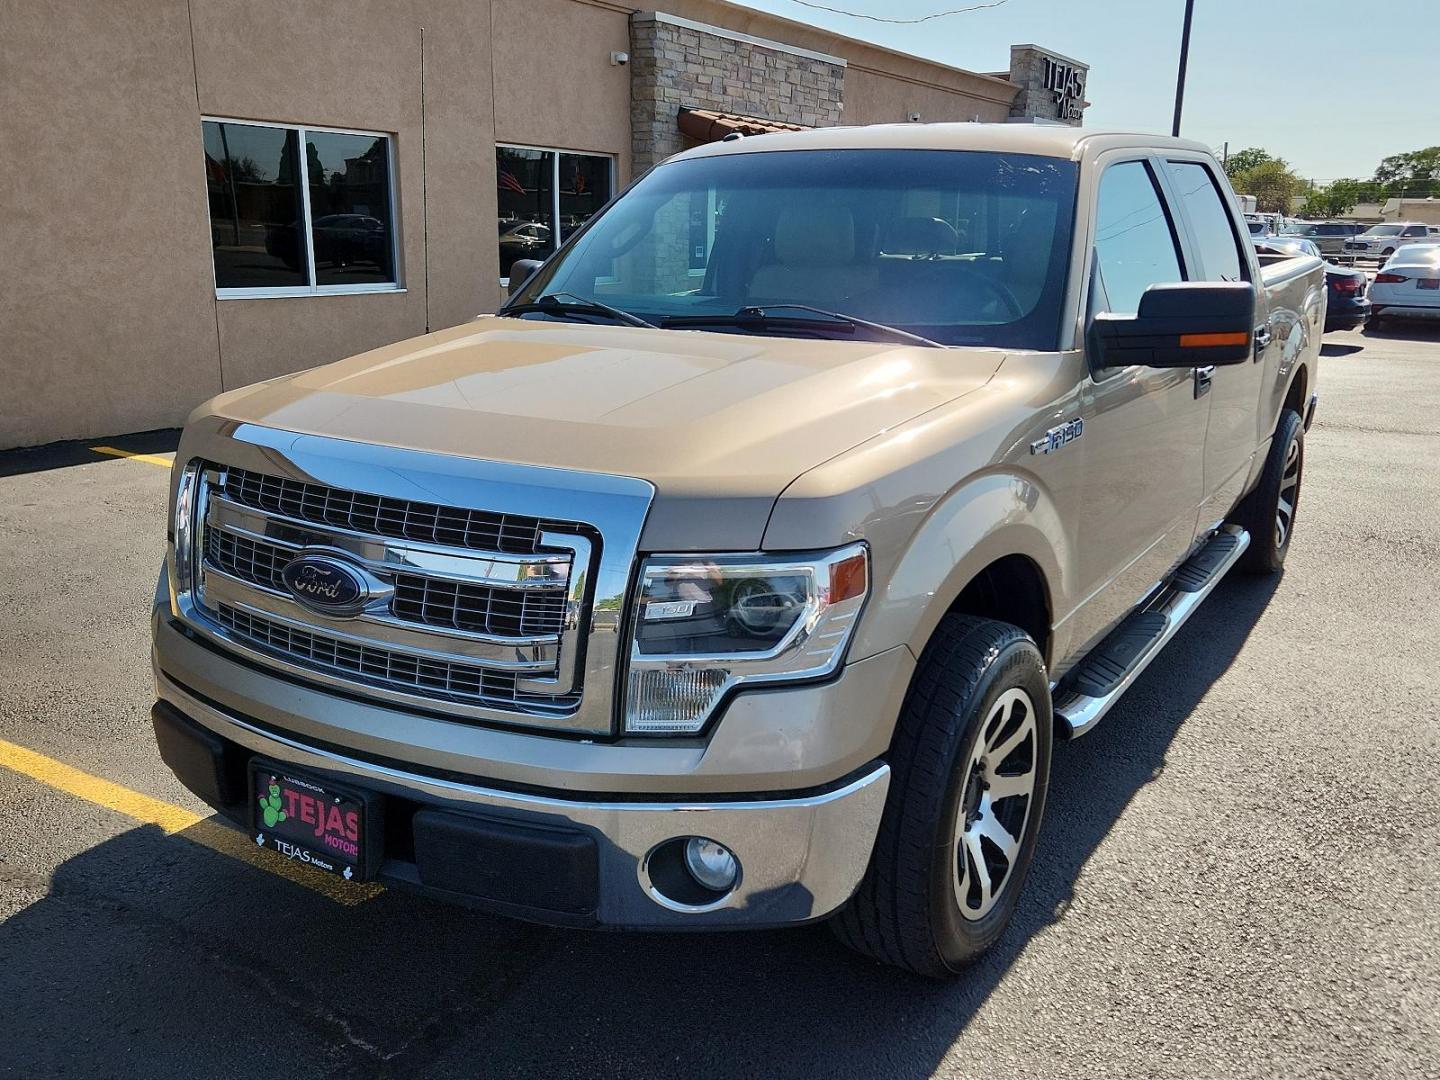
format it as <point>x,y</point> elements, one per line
<point>745,567</point>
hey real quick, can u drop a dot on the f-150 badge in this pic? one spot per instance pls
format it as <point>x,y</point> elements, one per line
<point>1057,437</point>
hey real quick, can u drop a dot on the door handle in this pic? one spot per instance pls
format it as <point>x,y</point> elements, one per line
<point>1202,380</point>
<point>1262,338</point>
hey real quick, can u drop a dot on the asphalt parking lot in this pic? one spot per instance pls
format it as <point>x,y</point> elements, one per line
<point>1239,875</point>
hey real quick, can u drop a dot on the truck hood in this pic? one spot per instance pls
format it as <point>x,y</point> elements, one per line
<point>719,423</point>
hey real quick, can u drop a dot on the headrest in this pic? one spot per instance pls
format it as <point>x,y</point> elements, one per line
<point>921,236</point>
<point>815,236</point>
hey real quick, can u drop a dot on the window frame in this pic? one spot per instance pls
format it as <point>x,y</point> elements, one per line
<point>555,152</point>
<point>267,292</point>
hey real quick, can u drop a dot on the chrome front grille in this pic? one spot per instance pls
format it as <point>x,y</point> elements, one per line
<point>249,560</point>
<point>477,613</point>
<point>456,605</point>
<point>479,608</point>
<point>381,668</point>
<point>378,515</point>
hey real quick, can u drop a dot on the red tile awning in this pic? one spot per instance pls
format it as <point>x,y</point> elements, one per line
<point>704,125</point>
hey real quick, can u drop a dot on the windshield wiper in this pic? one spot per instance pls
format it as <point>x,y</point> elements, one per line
<point>561,303</point>
<point>759,316</point>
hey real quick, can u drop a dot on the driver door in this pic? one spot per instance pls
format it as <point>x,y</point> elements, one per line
<point>1144,427</point>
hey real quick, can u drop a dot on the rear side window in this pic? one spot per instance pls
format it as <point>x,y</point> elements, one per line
<point>1219,248</point>
<point>1134,241</point>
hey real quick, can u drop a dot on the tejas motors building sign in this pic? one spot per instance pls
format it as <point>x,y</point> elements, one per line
<point>1051,86</point>
<point>1066,81</point>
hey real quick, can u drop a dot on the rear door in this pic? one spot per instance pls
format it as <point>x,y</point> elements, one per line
<point>1212,241</point>
<point>1144,427</point>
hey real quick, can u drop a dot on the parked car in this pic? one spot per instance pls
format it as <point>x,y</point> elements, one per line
<point>1382,241</point>
<point>523,240</point>
<point>1347,307</point>
<point>1408,285</point>
<point>1287,245</point>
<point>1263,224</point>
<point>720,600</point>
<point>1328,236</point>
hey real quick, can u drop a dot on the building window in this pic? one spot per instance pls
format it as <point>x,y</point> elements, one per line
<point>544,196</point>
<point>274,235</point>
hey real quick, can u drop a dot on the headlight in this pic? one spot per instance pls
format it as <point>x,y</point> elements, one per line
<point>703,624</point>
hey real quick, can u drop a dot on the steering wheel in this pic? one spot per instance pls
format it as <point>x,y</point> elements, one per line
<point>998,290</point>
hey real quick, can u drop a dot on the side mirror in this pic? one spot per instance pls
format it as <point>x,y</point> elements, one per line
<point>1184,324</point>
<point>521,271</point>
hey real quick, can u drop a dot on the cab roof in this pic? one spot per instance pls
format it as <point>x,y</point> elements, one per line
<point>1044,140</point>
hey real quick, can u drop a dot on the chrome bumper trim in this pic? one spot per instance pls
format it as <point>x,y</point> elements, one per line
<point>800,858</point>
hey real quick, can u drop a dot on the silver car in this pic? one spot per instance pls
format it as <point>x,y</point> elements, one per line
<point>1328,236</point>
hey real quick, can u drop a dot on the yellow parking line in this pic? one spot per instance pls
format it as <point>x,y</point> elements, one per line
<point>149,459</point>
<point>177,821</point>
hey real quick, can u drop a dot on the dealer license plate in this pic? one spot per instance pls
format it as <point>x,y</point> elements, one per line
<point>309,820</point>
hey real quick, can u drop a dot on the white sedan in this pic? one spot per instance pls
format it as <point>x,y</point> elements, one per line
<point>1408,285</point>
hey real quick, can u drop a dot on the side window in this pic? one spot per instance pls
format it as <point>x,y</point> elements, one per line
<point>1414,230</point>
<point>1134,242</point>
<point>1219,248</point>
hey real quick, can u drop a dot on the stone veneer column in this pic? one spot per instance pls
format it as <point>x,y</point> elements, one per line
<point>1052,87</point>
<point>676,63</point>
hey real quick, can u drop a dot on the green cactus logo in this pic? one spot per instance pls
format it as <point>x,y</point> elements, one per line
<point>270,807</point>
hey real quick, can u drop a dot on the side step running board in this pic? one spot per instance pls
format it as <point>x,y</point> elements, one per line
<point>1086,693</point>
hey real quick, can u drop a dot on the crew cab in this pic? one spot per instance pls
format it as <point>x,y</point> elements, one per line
<point>744,569</point>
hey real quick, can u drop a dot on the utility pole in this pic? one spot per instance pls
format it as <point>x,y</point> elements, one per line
<point>1184,59</point>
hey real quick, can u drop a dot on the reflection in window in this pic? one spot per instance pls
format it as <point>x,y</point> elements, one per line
<point>254,206</point>
<point>543,196</point>
<point>260,233</point>
<point>1134,245</point>
<point>349,207</point>
<point>1214,235</point>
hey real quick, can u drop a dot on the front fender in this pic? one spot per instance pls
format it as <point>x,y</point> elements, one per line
<point>985,518</point>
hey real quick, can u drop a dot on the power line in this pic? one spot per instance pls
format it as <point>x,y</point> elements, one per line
<point>902,22</point>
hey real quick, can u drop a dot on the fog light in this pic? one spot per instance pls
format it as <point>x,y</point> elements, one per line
<point>710,864</point>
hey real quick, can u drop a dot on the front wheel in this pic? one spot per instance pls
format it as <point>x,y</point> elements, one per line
<point>970,764</point>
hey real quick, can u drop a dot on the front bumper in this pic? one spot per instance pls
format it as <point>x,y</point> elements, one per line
<point>585,862</point>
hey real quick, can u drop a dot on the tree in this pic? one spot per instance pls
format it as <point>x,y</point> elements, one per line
<point>1336,198</point>
<point>1245,160</point>
<point>1272,183</point>
<point>1415,174</point>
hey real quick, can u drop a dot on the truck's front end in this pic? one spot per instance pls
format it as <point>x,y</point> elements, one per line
<point>452,653</point>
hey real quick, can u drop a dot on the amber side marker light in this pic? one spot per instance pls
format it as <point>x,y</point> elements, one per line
<point>848,579</point>
<point>1201,341</point>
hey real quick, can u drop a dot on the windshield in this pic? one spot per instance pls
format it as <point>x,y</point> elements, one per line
<point>964,247</point>
<point>1383,230</point>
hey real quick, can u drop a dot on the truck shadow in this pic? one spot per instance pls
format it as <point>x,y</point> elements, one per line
<point>154,955</point>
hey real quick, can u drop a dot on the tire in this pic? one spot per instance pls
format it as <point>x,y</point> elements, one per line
<point>1269,521</point>
<point>977,680</point>
<point>1388,252</point>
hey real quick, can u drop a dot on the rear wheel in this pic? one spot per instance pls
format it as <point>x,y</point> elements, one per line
<point>970,766</point>
<point>1268,512</point>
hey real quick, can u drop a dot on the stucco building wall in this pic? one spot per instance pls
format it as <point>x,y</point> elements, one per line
<point>109,317</point>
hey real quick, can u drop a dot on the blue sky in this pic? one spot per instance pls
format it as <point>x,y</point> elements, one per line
<point>1309,80</point>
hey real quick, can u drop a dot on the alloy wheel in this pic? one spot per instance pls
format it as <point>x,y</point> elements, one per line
<point>1289,495</point>
<point>995,803</point>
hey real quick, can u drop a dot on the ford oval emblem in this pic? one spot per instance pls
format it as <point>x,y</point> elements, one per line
<point>326,585</point>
